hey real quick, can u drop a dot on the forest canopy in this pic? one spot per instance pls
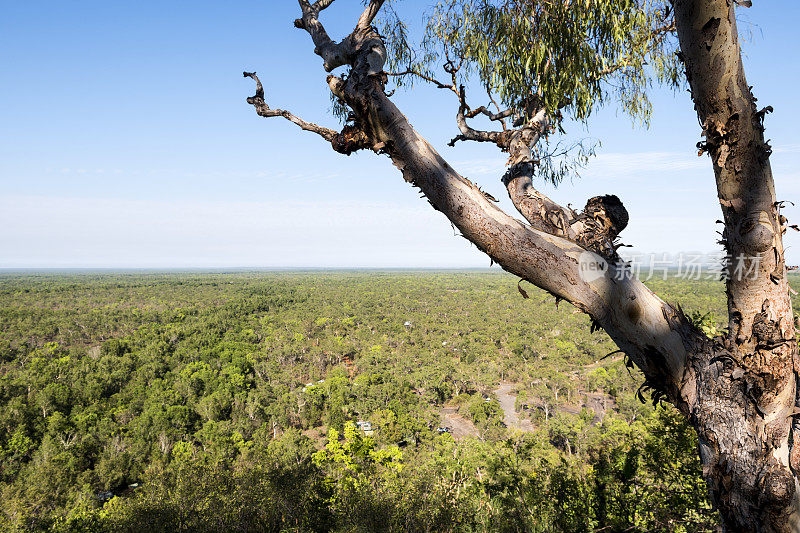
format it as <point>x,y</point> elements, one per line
<point>204,402</point>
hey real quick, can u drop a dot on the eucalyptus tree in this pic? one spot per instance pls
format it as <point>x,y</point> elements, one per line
<point>542,63</point>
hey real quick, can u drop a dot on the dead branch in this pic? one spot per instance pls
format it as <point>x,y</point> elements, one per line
<point>425,77</point>
<point>492,116</point>
<point>258,102</point>
<point>470,134</point>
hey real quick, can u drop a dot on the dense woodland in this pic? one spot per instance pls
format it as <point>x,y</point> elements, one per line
<point>232,402</point>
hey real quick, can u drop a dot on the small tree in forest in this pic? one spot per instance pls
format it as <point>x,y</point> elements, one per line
<point>541,63</point>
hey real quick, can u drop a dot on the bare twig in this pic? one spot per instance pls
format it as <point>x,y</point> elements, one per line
<point>258,102</point>
<point>492,116</point>
<point>496,106</point>
<point>425,77</point>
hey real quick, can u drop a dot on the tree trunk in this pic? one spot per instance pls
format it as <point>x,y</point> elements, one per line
<point>744,416</point>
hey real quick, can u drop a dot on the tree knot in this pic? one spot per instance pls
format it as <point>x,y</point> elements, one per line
<point>765,329</point>
<point>605,217</point>
<point>351,139</point>
<point>777,487</point>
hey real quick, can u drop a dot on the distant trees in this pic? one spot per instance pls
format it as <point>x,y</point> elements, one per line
<point>202,418</point>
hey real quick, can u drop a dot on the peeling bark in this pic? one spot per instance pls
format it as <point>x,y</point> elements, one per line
<point>744,415</point>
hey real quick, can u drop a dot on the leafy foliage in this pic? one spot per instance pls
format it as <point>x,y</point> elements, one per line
<point>569,56</point>
<point>705,322</point>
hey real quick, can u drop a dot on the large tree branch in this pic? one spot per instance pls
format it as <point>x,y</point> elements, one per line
<point>654,334</point>
<point>604,216</point>
<point>596,228</point>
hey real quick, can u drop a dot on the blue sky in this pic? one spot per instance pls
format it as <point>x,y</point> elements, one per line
<point>125,141</point>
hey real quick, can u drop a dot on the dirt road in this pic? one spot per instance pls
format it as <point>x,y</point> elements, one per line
<point>459,426</point>
<point>511,417</point>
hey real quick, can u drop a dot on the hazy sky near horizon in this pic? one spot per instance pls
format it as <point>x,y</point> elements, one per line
<point>125,141</point>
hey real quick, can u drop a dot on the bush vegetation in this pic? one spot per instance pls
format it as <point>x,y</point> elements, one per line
<point>229,402</point>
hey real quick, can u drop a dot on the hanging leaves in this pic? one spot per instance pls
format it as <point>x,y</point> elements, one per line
<point>574,55</point>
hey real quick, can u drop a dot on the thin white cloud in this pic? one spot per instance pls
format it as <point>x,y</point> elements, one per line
<point>670,196</point>
<point>642,164</point>
<point>786,149</point>
<point>281,175</point>
<point>54,231</point>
